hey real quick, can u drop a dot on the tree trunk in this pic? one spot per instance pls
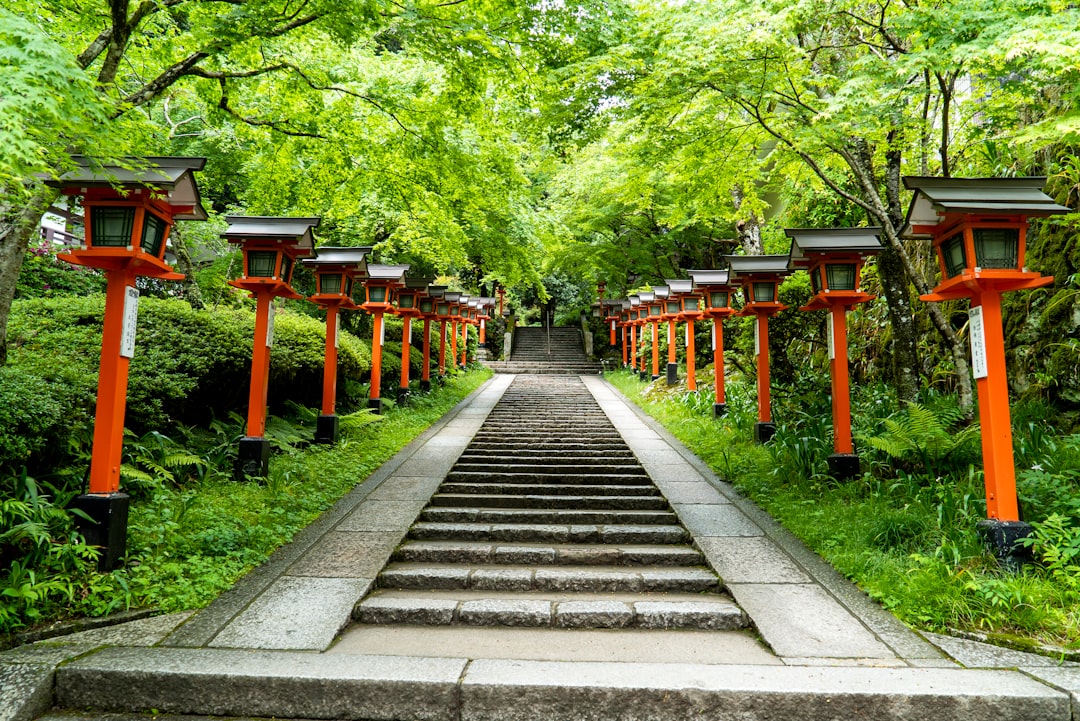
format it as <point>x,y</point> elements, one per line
<point>749,228</point>
<point>18,224</point>
<point>192,293</point>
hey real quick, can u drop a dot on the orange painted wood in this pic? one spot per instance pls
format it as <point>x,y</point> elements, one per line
<point>718,359</point>
<point>442,347</point>
<point>453,341</point>
<point>656,348</point>
<point>763,392</point>
<point>329,392</point>
<point>376,355</point>
<point>260,367</point>
<point>425,373</point>
<point>672,345</point>
<point>406,347</point>
<point>841,390</point>
<point>691,381</point>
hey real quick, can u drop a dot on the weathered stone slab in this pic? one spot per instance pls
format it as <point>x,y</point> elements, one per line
<point>224,682</point>
<point>406,488</point>
<point>689,492</point>
<point>423,611</point>
<point>535,555</point>
<point>348,555</point>
<point>593,614</point>
<point>382,516</point>
<point>26,691</point>
<point>722,519</point>
<point>502,579</point>
<point>500,612</point>
<point>712,615</point>
<point>803,620</point>
<point>974,654</point>
<point>495,690</point>
<point>295,613</point>
<point>741,559</point>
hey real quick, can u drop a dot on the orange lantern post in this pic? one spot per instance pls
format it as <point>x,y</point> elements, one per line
<point>270,246</point>
<point>632,326</point>
<point>336,269</point>
<point>454,298</point>
<point>129,213</point>
<point>647,297</point>
<point>834,259</point>
<point>624,326</point>
<point>428,311</point>
<point>691,311</point>
<point>979,230</point>
<point>407,306</point>
<point>760,276</point>
<point>379,288</point>
<point>716,295</point>
<point>443,313</point>
<point>673,314</point>
<point>468,318</point>
<point>656,314</point>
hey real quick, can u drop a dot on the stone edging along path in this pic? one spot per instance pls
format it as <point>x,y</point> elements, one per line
<point>266,647</point>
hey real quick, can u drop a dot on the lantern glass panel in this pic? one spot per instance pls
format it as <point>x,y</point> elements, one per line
<point>330,283</point>
<point>376,293</point>
<point>954,255</point>
<point>427,305</point>
<point>672,306</point>
<point>112,227</point>
<point>286,268</point>
<point>405,300</point>
<point>718,299</point>
<point>840,276</point>
<point>997,247</point>
<point>348,287</point>
<point>691,302</point>
<point>444,309</point>
<point>815,279</point>
<point>596,311</point>
<point>153,234</point>
<point>764,292</point>
<point>262,263</point>
<point>654,310</point>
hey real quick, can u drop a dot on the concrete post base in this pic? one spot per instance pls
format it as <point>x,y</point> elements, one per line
<point>1002,538</point>
<point>402,396</point>
<point>643,376</point>
<point>375,404</point>
<point>844,466</point>
<point>672,373</point>
<point>107,527</point>
<point>763,432</point>
<point>253,458</point>
<point>425,386</point>
<point>719,409</point>
<point>326,429</point>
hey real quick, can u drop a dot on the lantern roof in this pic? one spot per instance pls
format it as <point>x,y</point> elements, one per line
<point>298,231</point>
<point>436,291</point>
<point>747,266</point>
<point>679,286</point>
<point>174,174</point>
<point>807,242</point>
<point>394,274</point>
<point>708,277</point>
<point>937,197</point>
<point>452,296</point>
<point>419,283</point>
<point>355,257</point>
<point>646,296</point>
<point>634,301</point>
<point>660,291</point>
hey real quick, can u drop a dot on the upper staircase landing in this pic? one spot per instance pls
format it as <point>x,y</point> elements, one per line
<point>547,351</point>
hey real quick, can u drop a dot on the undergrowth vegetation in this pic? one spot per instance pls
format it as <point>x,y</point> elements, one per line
<point>905,529</point>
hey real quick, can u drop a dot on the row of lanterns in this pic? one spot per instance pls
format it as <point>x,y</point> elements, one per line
<point>129,212</point>
<point>978,227</point>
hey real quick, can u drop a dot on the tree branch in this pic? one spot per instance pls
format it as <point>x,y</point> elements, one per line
<point>223,104</point>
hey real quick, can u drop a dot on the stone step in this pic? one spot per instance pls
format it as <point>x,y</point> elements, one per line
<point>528,489</point>
<point>302,685</point>
<point>547,554</point>
<point>547,469</point>
<point>547,516</point>
<point>544,446</point>
<point>552,610</point>
<point>494,455</point>
<point>552,533</point>
<point>566,478</point>
<point>550,502</point>
<point>517,578</point>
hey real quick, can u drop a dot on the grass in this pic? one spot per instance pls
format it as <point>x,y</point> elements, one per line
<point>908,540</point>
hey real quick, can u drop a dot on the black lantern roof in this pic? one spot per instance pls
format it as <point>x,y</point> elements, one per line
<point>936,197</point>
<point>745,266</point>
<point>807,242</point>
<point>355,258</point>
<point>678,286</point>
<point>296,231</point>
<point>436,291</point>
<point>394,274</point>
<point>172,174</point>
<point>708,277</point>
<point>420,283</point>
<point>452,296</point>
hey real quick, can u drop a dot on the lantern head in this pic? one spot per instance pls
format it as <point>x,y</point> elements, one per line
<point>336,271</point>
<point>979,230</point>
<point>715,291</point>
<point>834,258</point>
<point>130,209</point>
<point>381,283</point>
<point>271,246</point>
<point>760,277</point>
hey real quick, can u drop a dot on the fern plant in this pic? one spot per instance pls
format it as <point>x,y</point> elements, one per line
<point>921,438</point>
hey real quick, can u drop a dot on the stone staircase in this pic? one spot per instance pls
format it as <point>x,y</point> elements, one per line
<point>538,350</point>
<point>547,520</point>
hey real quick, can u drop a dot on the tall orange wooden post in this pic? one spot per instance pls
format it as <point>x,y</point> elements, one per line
<point>624,326</point>
<point>673,314</point>
<point>428,312</point>
<point>129,214</point>
<point>632,326</point>
<point>454,299</point>
<point>407,306</point>
<point>442,312</point>
<point>979,229</point>
<point>271,246</point>
<point>646,297</point>
<point>381,283</point>
<point>336,270</point>
<point>468,311</point>
<point>760,276</point>
<point>691,311</point>
<point>716,295</point>
<point>834,259</point>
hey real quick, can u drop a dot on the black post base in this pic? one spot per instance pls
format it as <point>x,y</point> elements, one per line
<point>643,376</point>
<point>672,373</point>
<point>253,460</point>
<point>425,386</point>
<point>326,429</point>
<point>763,432</point>
<point>719,409</point>
<point>654,377</point>
<point>375,404</point>
<point>844,466</point>
<point>402,396</point>
<point>1002,538</point>
<point>107,527</point>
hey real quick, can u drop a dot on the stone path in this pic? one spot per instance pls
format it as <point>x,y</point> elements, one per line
<point>273,645</point>
<point>542,350</point>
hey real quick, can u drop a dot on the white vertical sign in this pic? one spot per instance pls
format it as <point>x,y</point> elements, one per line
<point>482,327</point>
<point>829,332</point>
<point>270,328</point>
<point>713,347</point>
<point>687,343</point>
<point>382,332</point>
<point>337,330</point>
<point>131,316</point>
<point>977,334</point>
<point>408,340</point>
<point>757,337</point>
